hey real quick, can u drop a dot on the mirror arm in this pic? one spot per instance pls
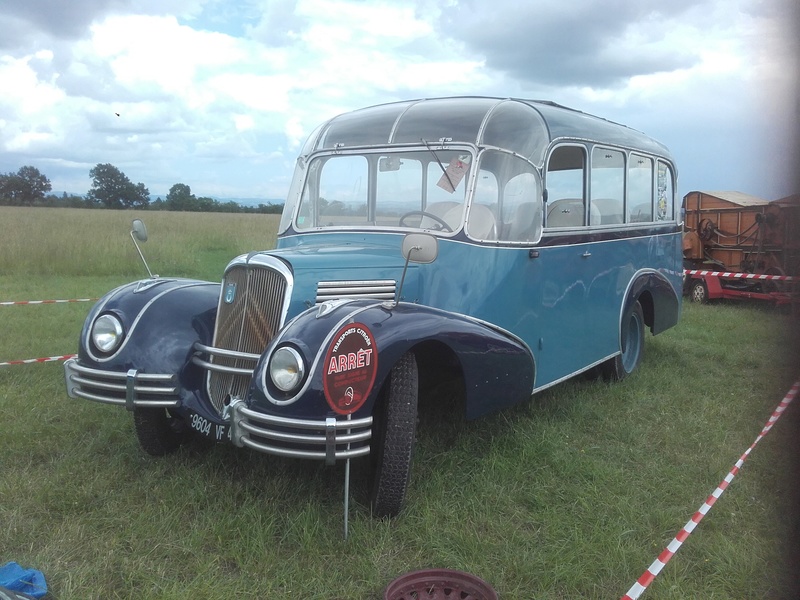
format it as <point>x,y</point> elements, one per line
<point>139,250</point>
<point>405,269</point>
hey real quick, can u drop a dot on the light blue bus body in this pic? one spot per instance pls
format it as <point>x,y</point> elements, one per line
<point>503,244</point>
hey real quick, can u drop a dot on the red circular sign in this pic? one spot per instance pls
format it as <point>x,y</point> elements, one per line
<point>349,369</point>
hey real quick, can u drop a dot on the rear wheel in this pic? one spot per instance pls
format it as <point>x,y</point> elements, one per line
<point>698,291</point>
<point>158,432</point>
<point>396,420</point>
<point>632,336</point>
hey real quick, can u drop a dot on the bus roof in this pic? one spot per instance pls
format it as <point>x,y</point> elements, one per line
<point>523,126</point>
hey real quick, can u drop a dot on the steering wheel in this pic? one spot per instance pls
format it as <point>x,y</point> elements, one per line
<point>441,222</point>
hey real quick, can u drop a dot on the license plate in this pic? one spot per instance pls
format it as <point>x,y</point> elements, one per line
<point>207,428</point>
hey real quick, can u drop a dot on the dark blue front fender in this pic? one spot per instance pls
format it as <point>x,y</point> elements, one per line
<point>498,369</point>
<point>162,320</point>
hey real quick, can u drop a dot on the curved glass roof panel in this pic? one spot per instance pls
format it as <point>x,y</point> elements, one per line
<point>525,127</point>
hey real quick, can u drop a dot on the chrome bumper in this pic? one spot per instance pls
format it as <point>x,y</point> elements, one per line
<point>321,439</point>
<point>130,389</point>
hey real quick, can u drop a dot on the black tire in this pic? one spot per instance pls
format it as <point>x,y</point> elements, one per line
<point>698,292</point>
<point>158,432</point>
<point>632,337</point>
<point>393,443</point>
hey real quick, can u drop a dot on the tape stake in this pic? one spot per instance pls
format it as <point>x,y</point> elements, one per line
<point>726,275</point>
<point>22,302</point>
<point>37,360</point>
<point>638,588</point>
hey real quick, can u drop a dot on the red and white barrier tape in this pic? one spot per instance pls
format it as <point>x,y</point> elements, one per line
<point>49,301</point>
<point>725,275</point>
<point>37,360</point>
<point>654,569</point>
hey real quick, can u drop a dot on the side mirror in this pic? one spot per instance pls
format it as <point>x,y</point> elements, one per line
<point>138,230</point>
<point>420,248</point>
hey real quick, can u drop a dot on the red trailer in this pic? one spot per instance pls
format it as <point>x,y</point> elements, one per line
<point>732,232</point>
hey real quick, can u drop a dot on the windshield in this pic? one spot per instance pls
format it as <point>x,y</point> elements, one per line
<point>424,189</point>
<point>415,189</point>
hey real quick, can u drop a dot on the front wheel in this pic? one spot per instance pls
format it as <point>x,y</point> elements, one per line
<point>394,440</point>
<point>632,336</point>
<point>158,432</point>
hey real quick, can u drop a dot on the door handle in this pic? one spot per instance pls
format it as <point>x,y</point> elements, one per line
<point>586,254</point>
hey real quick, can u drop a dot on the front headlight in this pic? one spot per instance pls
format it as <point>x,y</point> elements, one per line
<point>107,333</point>
<point>286,368</point>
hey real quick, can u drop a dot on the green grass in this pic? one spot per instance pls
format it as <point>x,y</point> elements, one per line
<point>571,495</point>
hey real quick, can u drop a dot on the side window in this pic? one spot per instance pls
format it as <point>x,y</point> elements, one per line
<point>566,174</point>
<point>665,201</point>
<point>507,204</point>
<point>640,189</point>
<point>607,186</point>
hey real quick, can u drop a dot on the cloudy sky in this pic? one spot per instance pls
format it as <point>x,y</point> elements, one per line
<point>220,94</point>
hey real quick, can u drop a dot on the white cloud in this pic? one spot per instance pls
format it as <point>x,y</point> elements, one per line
<point>221,94</point>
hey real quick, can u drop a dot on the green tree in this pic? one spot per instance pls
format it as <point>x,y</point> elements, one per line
<point>111,188</point>
<point>26,186</point>
<point>180,198</point>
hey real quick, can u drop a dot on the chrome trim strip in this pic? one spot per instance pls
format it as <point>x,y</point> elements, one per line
<point>299,423</point>
<point>130,389</point>
<point>221,368</point>
<point>330,441</point>
<point>120,375</point>
<point>226,353</point>
<point>124,387</point>
<point>113,387</point>
<point>382,289</point>
<point>573,374</point>
<point>120,402</point>
<point>339,454</point>
<point>329,432</point>
<point>330,435</point>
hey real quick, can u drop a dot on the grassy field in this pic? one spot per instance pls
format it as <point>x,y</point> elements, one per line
<point>569,496</point>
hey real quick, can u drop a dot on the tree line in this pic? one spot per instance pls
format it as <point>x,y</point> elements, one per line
<point>111,188</point>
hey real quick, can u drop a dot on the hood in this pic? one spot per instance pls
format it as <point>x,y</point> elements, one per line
<point>346,269</point>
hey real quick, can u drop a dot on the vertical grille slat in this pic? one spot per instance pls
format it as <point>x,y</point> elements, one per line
<point>247,324</point>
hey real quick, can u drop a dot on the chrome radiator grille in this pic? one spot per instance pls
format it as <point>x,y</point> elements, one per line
<point>246,322</point>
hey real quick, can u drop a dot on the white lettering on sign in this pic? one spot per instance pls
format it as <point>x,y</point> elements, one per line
<point>350,361</point>
<point>201,424</point>
<point>347,332</point>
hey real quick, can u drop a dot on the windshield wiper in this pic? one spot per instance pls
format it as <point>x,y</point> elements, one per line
<point>432,151</point>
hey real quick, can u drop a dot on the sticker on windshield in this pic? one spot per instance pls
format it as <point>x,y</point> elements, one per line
<point>454,173</point>
<point>350,367</point>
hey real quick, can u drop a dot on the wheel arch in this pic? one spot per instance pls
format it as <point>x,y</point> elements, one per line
<point>493,368</point>
<point>660,302</point>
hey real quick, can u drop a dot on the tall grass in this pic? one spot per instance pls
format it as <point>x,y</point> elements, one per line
<point>70,242</point>
<point>571,495</point>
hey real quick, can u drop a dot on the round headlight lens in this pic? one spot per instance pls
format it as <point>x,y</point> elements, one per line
<point>286,368</point>
<point>107,333</point>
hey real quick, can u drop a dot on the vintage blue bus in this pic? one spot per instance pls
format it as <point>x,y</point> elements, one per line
<point>509,243</point>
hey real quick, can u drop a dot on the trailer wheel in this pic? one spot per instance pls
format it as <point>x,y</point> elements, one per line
<point>393,441</point>
<point>698,292</point>
<point>632,336</point>
<point>158,432</point>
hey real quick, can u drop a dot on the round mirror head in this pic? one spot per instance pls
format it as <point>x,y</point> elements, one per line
<point>138,230</point>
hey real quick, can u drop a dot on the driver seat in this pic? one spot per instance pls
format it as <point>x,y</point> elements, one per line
<point>441,210</point>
